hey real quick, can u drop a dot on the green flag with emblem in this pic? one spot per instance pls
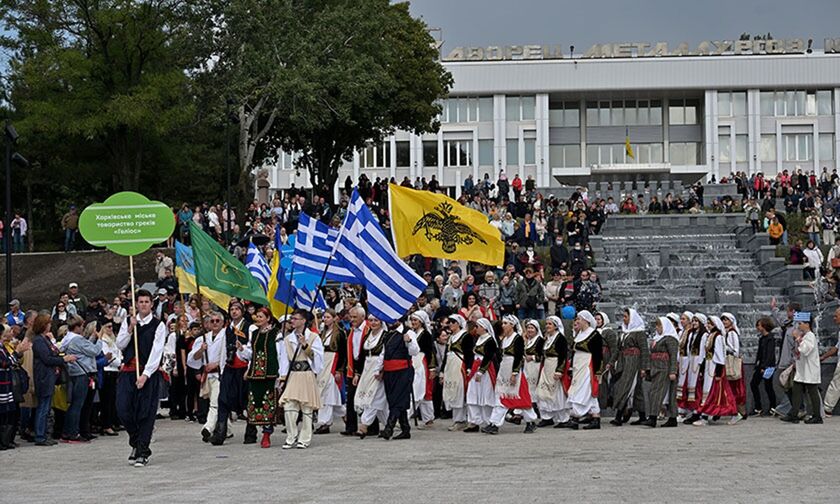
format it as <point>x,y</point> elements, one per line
<point>216,269</point>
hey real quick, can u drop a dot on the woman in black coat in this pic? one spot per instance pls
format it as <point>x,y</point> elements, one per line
<point>47,367</point>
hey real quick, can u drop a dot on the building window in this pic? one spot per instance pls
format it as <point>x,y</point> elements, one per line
<point>740,148</point>
<point>767,149</point>
<point>826,147</point>
<point>520,108</point>
<point>403,154</point>
<point>824,106</point>
<point>564,156</point>
<point>725,149</point>
<point>798,147</point>
<point>616,154</point>
<point>458,152</point>
<point>512,149</point>
<point>767,103</point>
<point>684,154</point>
<point>624,113</point>
<point>683,111</point>
<point>376,156</point>
<point>530,150</point>
<point>485,108</point>
<point>732,103</point>
<point>485,152</point>
<point>430,153</point>
<point>465,109</point>
<point>564,114</point>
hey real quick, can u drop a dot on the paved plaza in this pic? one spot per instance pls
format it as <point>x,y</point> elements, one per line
<point>761,460</point>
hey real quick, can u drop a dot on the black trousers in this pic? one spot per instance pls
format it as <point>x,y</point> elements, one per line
<point>137,409</point>
<point>108,400</point>
<point>177,395</point>
<point>191,389</point>
<point>398,392</point>
<point>231,387</point>
<point>755,382</point>
<point>87,413</point>
<point>813,391</point>
<point>351,422</point>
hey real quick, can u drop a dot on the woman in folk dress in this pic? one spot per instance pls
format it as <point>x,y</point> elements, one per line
<point>534,341</point>
<point>459,352</point>
<point>733,347</point>
<point>718,399</point>
<point>481,380</point>
<point>330,378</point>
<point>586,369</point>
<point>690,390</point>
<point>664,353</point>
<point>370,401</point>
<point>424,366</point>
<point>553,384</point>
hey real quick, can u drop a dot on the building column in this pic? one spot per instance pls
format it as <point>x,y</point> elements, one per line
<point>837,128</point>
<point>582,122</point>
<point>392,163</point>
<point>356,163</point>
<point>440,157</point>
<point>499,136</point>
<point>712,147</point>
<point>753,129</point>
<point>541,148</point>
<point>666,130</point>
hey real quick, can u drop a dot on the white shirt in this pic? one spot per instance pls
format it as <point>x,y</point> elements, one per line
<point>216,351</point>
<point>124,338</point>
<point>116,354</point>
<point>357,339</point>
<point>316,361</point>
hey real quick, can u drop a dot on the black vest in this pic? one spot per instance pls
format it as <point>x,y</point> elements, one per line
<point>145,342</point>
<point>395,347</point>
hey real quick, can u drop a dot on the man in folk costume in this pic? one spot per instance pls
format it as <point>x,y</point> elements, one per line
<point>690,388</point>
<point>459,358</point>
<point>481,380</point>
<point>610,338</point>
<point>370,402</point>
<point>262,352</point>
<point>397,375</point>
<point>511,386</point>
<point>355,365</point>
<point>719,400</point>
<point>425,365</point>
<point>631,360</point>
<point>301,359</point>
<point>137,398</point>
<point>663,373</point>
<point>553,383</point>
<point>210,351</point>
<point>331,377</point>
<point>587,359</point>
<point>233,392</point>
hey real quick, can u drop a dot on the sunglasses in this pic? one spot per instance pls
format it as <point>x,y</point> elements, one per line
<point>216,321</point>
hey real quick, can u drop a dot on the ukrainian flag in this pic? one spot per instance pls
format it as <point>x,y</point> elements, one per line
<point>279,288</point>
<point>185,273</point>
<point>627,147</point>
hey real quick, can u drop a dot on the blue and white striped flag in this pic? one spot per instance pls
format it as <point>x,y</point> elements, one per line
<point>305,299</point>
<point>363,249</point>
<point>315,242</point>
<point>257,265</point>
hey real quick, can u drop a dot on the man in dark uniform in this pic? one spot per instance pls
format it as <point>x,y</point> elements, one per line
<point>138,388</point>
<point>233,394</point>
<point>398,375</point>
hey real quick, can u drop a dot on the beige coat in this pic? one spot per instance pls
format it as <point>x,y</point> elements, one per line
<point>28,364</point>
<point>808,362</point>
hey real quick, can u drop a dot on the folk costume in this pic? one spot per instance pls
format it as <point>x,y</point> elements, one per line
<point>739,387</point>
<point>137,407</point>
<point>299,365</point>
<point>690,381</point>
<point>533,359</point>
<point>331,378</point>
<point>424,363</point>
<point>355,366</point>
<point>664,351</point>
<point>481,379</point>
<point>261,378</point>
<point>216,354</point>
<point>632,356</point>
<point>610,338</point>
<point>511,386</point>
<point>719,401</point>
<point>459,358</point>
<point>233,391</point>
<point>371,403</point>
<point>587,359</point>
<point>397,377</point>
<point>554,383</point>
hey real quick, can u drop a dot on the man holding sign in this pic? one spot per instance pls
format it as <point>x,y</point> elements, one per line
<point>138,397</point>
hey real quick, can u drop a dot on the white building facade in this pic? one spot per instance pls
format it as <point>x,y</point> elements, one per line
<point>566,121</point>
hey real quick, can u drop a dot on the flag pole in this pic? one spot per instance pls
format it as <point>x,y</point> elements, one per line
<point>134,312</point>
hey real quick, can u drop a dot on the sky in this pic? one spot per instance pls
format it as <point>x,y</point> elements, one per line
<point>584,23</point>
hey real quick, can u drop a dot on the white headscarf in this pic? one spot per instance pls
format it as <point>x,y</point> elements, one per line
<point>514,321</point>
<point>557,323</point>
<point>718,324</point>
<point>674,318</point>
<point>703,319</point>
<point>590,319</point>
<point>688,315</point>
<point>668,329</point>
<point>487,326</point>
<point>423,317</point>
<point>462,322</point>
<point>731,319</point>
<point>604,318</point>
<point>536,325</point>
<point>636,322</point>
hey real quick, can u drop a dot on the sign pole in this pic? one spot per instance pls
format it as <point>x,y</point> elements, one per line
<point>134,312</point>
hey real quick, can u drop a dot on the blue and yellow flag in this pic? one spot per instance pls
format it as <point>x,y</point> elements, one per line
<point>185,273</point>
<point>627,147</point>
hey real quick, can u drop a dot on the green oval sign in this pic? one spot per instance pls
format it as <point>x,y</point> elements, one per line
<point>127,223</point>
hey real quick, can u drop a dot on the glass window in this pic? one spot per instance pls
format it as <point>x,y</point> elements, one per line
<point>462,110</point>
<point>739,104</point>
<point>644,113</point>
<point>604,113</point>
<point>740,148</point>
<point>799,103</point>
<point>692,108</point>
<point>592,113</point>
<point>556,117</point>
<point>723,145</point>
<point>465,153</point>
<point>656,153</point>
<point>572,116</point>
<point>571,155</point>
<point>824,107</point>
<point>592,155</point>
<point>528,106</point>
<point>724,104</point>
<point>617,114</point>
<point>767,149</point>
<point>617,153</point>
<point>655,112</point>
<point>781,103</point>
<point>766,99</point>
<point>790,103</point>
<point>403,154</point>
<point>676,153</point>
<point>485,152</point>
<point>798,147</point>
<point>676,112</point>
<point>803,146</point>
<point>530,146</point>
<point>630,114</point>
<point>430,153</point>
<point>485,108</point>
<point>811,103</point>
<point>512,108</point>
<point>444,112</point>
<point>512,152</point>
<point>826,147</point>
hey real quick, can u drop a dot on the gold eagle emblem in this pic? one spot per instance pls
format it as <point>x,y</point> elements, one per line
<point>444,227</point>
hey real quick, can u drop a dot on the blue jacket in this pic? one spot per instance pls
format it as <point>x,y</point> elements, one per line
<point>85,352</point>
<point>46,366</point>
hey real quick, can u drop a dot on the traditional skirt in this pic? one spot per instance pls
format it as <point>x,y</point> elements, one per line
<point>370,392</point>
<point>328,384</point>
<point>532,375</point>
<point>482,393</point>
<point>423,384</point>
<point>690,392</point>
<point>512,394</point>
<point>454,381</point>
<point>583,391</point>
<point>262,402</point>
<point>720,401</point>
<point>551,396</point>
<point>301,387</point>
<point>739,389</point>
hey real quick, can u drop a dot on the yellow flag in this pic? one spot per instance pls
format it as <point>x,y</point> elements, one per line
<point>627,147</point>
<point>278,309</point>
<point>186,284</point>
<point>434,225</point>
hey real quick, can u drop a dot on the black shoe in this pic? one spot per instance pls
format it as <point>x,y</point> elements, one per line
<point>595,424</point>
<point>568,424</point>
<point>405,434</point>
<point>530,428</point>
<point>672,422</point>
<point>693,418</point>
<point>545,423</point>
<point>471,428</point>
<point>347,433</point>
<point>814,420</point>
<point>206,435</point>
<point>790,419</point>
<point>89,437</point>
<point>250,436</point>
<point>642,419</point>
<point>616,421</point>
<point>132,457</point>
<point>490,429</point>
<point>648,422</point>
<point>324,429</point>
<point>46,442</point>
<point>373,430</point>
<point>141,462</point>
<point>626,417</point>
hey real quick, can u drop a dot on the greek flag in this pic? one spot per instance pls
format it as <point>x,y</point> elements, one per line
<point>313,246</point>
<point>307,300</point>
<point>363,249</point>
<point>256,264</point>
